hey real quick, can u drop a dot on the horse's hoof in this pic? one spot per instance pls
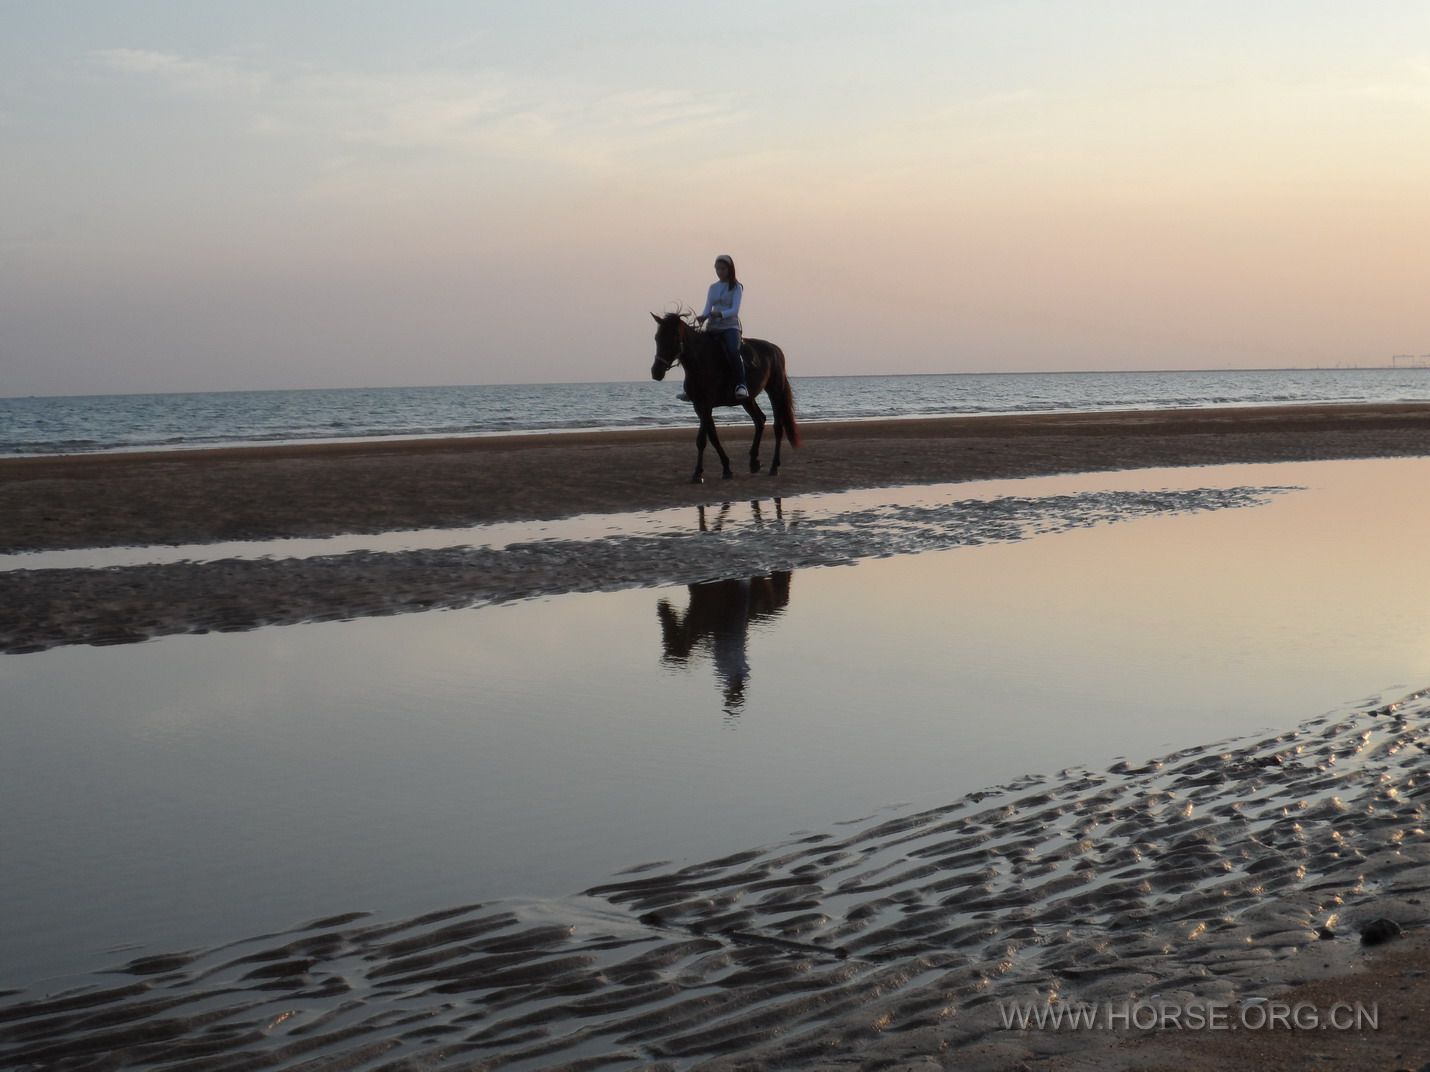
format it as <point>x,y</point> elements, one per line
<point>755,467</point>
<point>697,479</point>
<point>774,470</point>
<point>726,475</point>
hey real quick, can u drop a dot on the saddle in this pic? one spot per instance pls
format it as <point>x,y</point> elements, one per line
<point>754,364</point>
<point>753,360</point>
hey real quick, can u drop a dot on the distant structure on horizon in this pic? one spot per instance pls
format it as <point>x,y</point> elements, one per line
<point>1410,361</point>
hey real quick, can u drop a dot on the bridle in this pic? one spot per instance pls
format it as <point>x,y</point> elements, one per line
<point>669,363</point>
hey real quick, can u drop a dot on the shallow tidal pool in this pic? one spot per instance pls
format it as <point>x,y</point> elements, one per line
<point>196,789</point>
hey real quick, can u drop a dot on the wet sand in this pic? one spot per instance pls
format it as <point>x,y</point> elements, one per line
<point>1225,877</point>
<point>324,489</point>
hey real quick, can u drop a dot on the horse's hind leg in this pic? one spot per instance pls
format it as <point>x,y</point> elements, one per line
<point>758,416</point>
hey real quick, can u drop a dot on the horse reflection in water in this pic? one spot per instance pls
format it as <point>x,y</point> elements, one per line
<point>717,623</point>
<point>757,514</point>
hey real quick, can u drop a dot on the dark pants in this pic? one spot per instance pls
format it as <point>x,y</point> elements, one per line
<point>730,339</point>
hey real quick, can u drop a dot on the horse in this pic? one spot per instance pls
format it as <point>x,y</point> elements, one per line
<point>707,382</point>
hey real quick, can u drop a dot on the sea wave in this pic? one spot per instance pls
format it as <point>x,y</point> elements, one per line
<point>70,425</point>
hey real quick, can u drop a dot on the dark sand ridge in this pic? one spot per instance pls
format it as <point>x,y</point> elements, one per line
<point>42,608</point>
<point>1215,875</point>
<point>321,489</point>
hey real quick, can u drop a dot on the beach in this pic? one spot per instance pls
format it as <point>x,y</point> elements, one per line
<point>314,489</point>
<point>1289,868</point>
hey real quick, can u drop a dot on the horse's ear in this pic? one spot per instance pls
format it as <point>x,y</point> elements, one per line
<point>655,318</point>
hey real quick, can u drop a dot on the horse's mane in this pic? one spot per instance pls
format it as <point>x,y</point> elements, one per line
<point>681,312</point>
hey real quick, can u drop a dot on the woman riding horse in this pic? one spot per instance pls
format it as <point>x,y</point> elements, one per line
<point>708,383</point>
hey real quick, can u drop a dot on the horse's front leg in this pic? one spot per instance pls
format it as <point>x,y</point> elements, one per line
<point>758,416</point>
<point>709,419</point>
<point>698,477</point>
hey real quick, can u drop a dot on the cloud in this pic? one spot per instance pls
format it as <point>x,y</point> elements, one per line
<point>459,113</point>
<point>402,111</point>
<point>1412,90</point>
<point>668,108</point>
<point>488,112</point>
<point>218,77</point>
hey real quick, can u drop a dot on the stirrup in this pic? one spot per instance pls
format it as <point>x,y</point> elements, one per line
<point>742,393</point>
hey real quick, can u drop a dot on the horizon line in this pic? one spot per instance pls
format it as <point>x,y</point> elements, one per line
<point>817,376</point>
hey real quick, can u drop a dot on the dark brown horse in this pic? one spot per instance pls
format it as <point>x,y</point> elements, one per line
<point>707,382</point>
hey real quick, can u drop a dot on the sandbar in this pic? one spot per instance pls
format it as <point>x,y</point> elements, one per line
<point>322,489</point>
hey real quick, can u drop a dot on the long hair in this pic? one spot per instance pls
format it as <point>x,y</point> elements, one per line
<point>734,280</point>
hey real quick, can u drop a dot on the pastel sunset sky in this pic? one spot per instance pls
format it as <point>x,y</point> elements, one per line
<point>321,194</point>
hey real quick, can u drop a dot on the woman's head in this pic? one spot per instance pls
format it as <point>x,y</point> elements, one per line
<point>725,269</point>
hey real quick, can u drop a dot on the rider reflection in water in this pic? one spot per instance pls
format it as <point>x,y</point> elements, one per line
<point>717,622</point>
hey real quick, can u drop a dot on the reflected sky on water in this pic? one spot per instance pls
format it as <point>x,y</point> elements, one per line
<point>194,789</point>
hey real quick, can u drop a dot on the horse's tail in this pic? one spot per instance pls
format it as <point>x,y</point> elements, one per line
<point>784,404</point>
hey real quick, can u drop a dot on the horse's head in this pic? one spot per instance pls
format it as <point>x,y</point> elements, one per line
<point>669,341</point>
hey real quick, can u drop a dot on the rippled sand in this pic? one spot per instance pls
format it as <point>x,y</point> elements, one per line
<point>1216,874</point>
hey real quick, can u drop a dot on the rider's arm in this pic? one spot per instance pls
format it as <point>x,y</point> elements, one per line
<point>735,295</point>
<point>709,302</point>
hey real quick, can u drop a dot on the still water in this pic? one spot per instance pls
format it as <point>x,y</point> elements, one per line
<point>197,789</point>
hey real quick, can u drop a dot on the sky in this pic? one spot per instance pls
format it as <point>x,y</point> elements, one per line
<point>231,196</point>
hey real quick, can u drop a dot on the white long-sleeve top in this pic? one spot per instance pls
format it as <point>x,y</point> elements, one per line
<point>722,306</point>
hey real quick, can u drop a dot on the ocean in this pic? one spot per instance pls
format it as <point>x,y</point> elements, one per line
<point>90,423</point>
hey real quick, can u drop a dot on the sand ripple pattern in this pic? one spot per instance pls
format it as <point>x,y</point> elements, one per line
<point>1210,874</point>
<point>42,609</point>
